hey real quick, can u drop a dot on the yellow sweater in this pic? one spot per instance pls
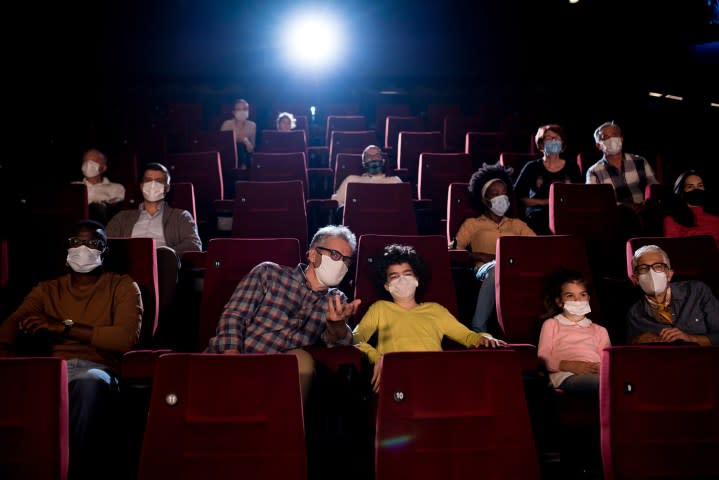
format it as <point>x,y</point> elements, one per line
<point>420,329</point>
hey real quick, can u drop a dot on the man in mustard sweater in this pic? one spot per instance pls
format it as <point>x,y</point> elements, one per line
<point>404,325</point>
<point>89,317</point>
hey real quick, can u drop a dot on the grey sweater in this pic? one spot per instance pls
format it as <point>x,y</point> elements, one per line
<point>178,226</point>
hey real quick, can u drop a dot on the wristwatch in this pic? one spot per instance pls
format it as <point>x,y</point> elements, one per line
<point>68,325</point>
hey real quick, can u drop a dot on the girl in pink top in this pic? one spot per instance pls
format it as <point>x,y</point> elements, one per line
<point>570,345</point>
<point>692,211</point>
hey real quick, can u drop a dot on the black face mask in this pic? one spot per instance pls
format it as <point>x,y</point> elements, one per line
<point>373,167</point>
<point>695,197</point>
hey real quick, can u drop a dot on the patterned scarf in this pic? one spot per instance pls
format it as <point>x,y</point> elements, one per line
<point>662,311</point>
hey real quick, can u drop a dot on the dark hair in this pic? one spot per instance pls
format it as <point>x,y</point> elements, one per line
<point>553,284</point>
<point>678,208</point>
<point>395,255</point>
<point>482,176</point>
<point>157,167</point>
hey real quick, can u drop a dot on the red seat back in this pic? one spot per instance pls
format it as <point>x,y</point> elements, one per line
<point>33,418</point>
<point>380,209</point>
<point>453,414</point>
<point>276,167</point>
<point>220,416</point>
<point>659,425</point>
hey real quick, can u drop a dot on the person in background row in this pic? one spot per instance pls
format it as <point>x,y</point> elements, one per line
<point>101,192</point>
<point>245,132</point>
<point>629,174</point>
<point>678,311</point>
<point>174,229</point>
<point>570,345</point>
<point>286,122</point>
<point>374,167</point>
<point>170,227</point>
<point>406,324</point>
<point>532,185</point>
<point>491,188</point>
<point>693,210</point>
<point>89,317</point>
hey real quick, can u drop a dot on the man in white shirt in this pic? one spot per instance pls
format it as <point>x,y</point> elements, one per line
<point>373,164</point>
<point>101,192</point>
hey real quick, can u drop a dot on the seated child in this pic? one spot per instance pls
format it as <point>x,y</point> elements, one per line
<point>404,325</point>
<point>570,345</point>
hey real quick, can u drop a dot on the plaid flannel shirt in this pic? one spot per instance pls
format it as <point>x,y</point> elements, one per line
<point>629,182</point>
<point>272,310</point>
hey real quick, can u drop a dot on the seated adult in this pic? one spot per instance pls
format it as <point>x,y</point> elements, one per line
<point>277,309</point>
<point>533,182</point>
<point>373,164</point>
<point>245,132</point>
<point>101,192</point>
<point>170,227</point>
<point>406,324</point>
<point>89,317</point>
<point>692,210</point>
<point>491,188</point>
<point>669,312</point>
<point>286,122</point>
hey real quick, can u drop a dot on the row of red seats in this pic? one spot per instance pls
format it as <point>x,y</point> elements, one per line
<point>439,415</point>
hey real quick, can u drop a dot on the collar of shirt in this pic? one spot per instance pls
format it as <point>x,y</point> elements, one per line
<point>584,323</point>
<point>301,277</point>
<point>160,209</point>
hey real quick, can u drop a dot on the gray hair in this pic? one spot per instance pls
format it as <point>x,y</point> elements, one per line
<point>647,249</point>
<point>366,150</point>
<point>334,231</point>
<point>605,125</point>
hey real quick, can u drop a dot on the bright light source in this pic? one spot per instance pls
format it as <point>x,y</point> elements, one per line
<point>673,97</point>
<point>712,104</point>
<point>573,1</point>
<point>313,41</point>
<point>656,94</point>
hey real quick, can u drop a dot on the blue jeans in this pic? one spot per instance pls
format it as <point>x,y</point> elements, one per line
<point>485,299</point>
<point>91,389</point>
<point>587,384</point>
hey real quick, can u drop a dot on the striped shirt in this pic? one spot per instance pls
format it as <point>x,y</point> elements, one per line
<point>629,181</point>
<point>272,310</point>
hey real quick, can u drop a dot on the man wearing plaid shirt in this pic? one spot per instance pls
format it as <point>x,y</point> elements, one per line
<point>629,174</point>
<point>278,309</point>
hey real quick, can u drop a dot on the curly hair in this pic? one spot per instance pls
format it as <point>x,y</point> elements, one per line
<point>395,255</point>
<point>482,176</point>
<point>553,284</point>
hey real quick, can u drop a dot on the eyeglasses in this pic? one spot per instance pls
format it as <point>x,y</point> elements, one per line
<point>94,243</point>
<point>335,255</point>
<point>657,267</point>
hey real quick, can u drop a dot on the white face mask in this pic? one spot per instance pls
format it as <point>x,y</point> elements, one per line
<point>90,169</point>
<point>403,287</point>
<point>242,115</point>
<point>653,283</point>
<point>500,205</point>
<point>330,272</point>
<point>612,145</point>
<point>573,307</point>
<point>83,259</point>
<point>153,191</point>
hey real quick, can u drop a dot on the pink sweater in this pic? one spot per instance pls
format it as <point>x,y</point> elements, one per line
<point>561,339</point>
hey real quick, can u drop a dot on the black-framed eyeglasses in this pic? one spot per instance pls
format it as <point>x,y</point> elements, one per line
<point>94,243</point>
<point>335,255</point>
<point>657,267</point>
